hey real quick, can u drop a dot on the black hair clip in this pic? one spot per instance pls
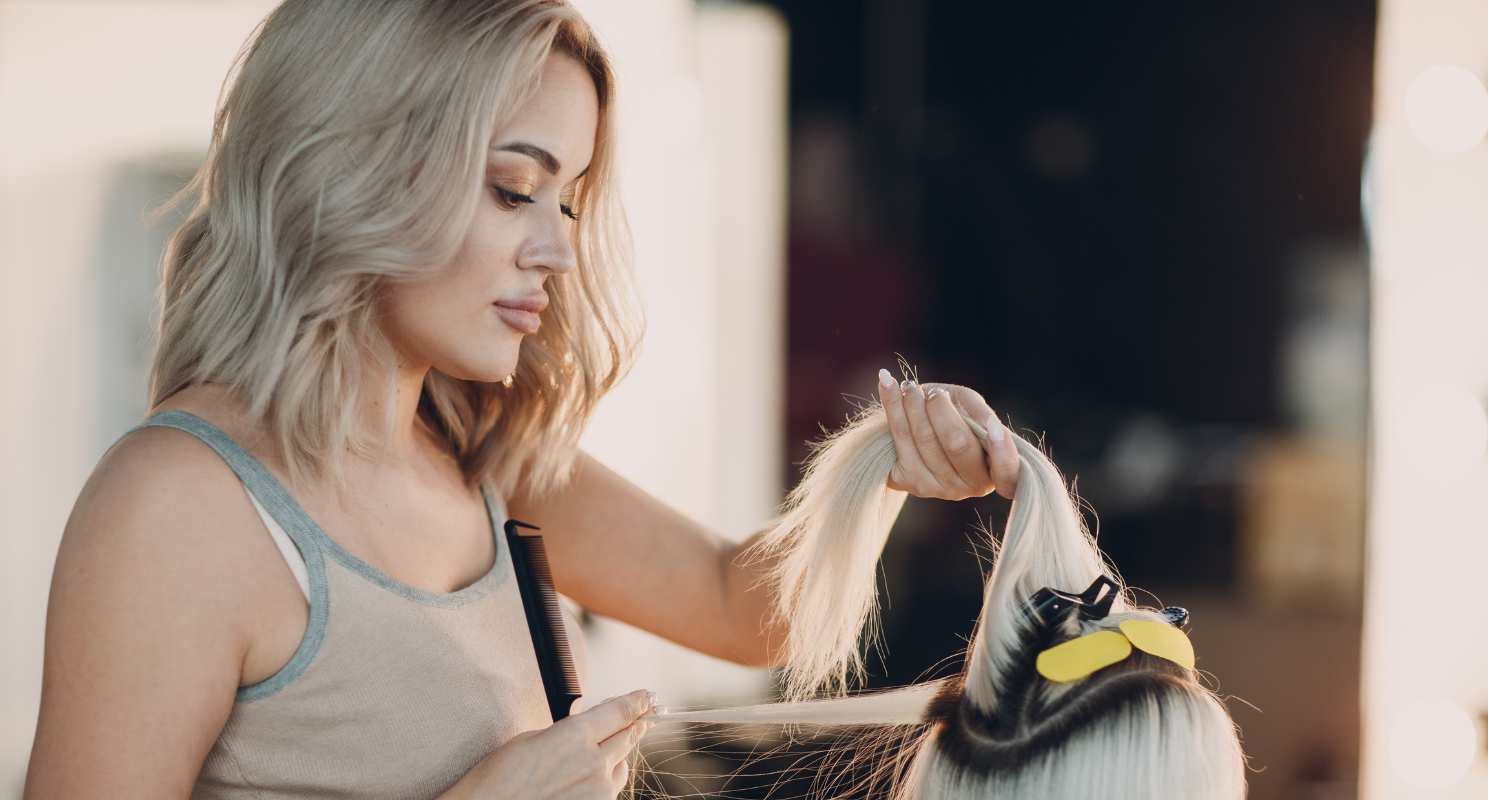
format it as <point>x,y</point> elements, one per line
<point>1048,606</point>
<point>1177,615</point>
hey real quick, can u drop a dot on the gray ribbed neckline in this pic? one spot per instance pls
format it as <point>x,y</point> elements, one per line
<point>307,533</point>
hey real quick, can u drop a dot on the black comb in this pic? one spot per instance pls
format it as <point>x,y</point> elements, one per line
<point>544,617</point>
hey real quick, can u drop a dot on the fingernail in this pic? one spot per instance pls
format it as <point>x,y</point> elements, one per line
<point>885,380</point>
<point>995,431</point>
<point>933,392</point>
<point>651,696</point>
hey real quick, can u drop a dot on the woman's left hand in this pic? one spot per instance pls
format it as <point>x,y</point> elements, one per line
<point>938,455</point>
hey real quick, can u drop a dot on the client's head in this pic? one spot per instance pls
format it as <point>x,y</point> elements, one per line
<point>1070,690</point>
<point>1074,701</point>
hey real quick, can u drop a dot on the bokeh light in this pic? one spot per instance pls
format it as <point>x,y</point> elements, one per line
<point>1432,744</point>
<point>1447,108</point>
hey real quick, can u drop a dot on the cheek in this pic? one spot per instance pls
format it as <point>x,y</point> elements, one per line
<point>491,244</point>
<point>450,325</point>
<point>400,318</point>
<point>421,318</point>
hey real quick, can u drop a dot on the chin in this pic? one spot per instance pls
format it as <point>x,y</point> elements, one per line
<point>489,371</point>
<point>478,377</point>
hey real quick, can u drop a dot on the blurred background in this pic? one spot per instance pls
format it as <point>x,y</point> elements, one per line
<point>1227,259</point>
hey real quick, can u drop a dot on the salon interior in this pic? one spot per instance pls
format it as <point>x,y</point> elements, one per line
<point>1226,260</point>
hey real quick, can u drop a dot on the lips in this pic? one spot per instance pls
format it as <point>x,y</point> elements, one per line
<point>534,302</point>
<point>521,319</point>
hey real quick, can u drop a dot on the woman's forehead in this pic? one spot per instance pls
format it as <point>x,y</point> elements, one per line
<point>559,120</point>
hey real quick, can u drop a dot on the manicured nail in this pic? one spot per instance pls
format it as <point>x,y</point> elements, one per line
<point>995,431</point>
<point>885,380</point>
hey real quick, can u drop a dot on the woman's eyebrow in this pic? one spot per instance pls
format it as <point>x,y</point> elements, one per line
<point>532,151</point>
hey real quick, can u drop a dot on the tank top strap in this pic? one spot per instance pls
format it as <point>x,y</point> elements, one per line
<point>271,495</point>
<point>277,500</point>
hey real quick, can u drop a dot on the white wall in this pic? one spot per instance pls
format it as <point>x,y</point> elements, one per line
<point>93,95</point>
<point>700,422</point>
<point>106,105</point>
<point>1426,624</point>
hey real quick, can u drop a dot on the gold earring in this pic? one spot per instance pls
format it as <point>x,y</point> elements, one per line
<point>507,381</point>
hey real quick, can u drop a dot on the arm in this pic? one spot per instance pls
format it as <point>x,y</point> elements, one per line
<point>143,641</point>
<point>625,554</point>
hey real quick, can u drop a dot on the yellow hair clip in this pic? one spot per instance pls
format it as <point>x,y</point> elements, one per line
<point>1078,658</point>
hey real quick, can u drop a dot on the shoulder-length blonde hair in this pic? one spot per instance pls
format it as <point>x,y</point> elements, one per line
<point>350,151</point>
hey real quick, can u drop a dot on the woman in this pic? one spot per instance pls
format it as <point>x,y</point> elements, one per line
<point>402,290</point>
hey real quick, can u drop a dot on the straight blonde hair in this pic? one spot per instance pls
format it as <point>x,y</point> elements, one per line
<point>349,152</point>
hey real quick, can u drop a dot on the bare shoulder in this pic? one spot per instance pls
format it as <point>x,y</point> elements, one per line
<point>147,620</point>
<point>163,520</point>
<point>162,509</point>
<point>159,487</point>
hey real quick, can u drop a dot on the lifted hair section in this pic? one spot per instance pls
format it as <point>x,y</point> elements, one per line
<point>1142,728</point>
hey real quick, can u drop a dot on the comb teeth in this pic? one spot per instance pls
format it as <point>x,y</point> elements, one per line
<point>534,579</point>
<point>553,610</point>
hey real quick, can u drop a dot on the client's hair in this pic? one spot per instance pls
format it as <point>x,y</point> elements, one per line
<point>1143,728</point>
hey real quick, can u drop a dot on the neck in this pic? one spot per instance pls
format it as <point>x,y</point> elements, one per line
<point>391,423</point>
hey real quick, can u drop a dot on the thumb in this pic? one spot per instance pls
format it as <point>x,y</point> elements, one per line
<point>1003,461</point>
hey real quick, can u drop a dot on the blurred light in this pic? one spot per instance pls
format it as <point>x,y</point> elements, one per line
<point>1428,340</point>
<point>1447,108</point>
<point>1061,146</point>
<point>1447,430</point>
<point>1432,744</point>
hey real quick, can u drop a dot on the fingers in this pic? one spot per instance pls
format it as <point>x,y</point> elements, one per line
<point>619,774</point>
<point>938,452</point>
<point>618,747</point>
<point>908,468</point>
<point>615,752</point>
<point>969,402</point>
<point>959,444</point>
<point>608,718</point>
<point>1002,458</point>
<point>928,442</point>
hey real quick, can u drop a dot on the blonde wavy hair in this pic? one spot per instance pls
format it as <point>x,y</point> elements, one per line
<point>349,152</point>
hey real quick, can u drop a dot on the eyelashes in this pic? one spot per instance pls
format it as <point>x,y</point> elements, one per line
<point>511,200</point>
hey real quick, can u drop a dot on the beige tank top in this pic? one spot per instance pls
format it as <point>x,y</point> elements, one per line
<point>394,691</point>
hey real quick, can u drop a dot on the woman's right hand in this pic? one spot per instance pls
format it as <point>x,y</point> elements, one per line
<point>585,756</point>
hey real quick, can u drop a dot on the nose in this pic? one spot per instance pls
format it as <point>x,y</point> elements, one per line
<point>550,247</point>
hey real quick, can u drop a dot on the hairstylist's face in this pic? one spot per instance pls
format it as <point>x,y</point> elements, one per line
<point>460,321</point>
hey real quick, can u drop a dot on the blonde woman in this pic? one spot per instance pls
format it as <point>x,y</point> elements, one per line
<point>401,290</point>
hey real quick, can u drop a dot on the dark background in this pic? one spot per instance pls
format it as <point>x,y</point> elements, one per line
<point>1102,216</point>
